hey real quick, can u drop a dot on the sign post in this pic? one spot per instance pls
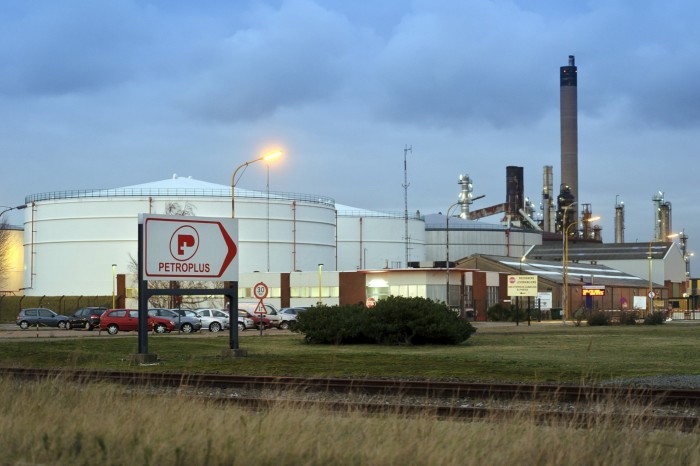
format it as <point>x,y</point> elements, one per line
<point>186,248</point>
<point>260,291</point>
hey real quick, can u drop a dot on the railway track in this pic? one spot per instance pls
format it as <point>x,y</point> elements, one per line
<point>460,399</point>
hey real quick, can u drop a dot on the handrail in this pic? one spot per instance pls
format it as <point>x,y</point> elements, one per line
<point>179,192</point>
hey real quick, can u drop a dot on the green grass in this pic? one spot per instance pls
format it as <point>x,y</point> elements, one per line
<point>541,353</point>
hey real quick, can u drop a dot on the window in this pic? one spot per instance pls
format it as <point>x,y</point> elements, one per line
<point>45,313</point>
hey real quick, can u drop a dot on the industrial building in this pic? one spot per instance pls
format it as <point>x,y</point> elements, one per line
<point>86,232</point>
<point>307,244</point>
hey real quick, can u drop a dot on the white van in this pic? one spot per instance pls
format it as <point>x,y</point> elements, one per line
<point>270,311</point>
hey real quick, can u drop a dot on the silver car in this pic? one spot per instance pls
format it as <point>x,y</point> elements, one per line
<point>213,319</point>
<point>289,315</point>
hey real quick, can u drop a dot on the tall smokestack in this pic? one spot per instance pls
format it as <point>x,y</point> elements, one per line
<point>569,127</point>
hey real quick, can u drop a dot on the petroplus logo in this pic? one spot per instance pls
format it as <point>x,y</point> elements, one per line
<point>184,243</point>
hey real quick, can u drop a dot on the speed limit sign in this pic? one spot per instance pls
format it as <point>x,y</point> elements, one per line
<point>260,290</point>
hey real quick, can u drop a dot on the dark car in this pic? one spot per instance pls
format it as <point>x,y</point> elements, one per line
<point>127,320</point>
<point>87,318</point>
<point>42,317</point>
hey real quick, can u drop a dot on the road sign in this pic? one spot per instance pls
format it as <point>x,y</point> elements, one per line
<point>189,248</point>
<point>651,295</point>
<point>522,285</point>
<point>260,290</point>
<point>371,302</point>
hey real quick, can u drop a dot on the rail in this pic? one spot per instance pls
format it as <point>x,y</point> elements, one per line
<point>177,192</point>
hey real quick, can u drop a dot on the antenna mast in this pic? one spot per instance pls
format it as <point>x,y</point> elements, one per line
<point>405,185</point>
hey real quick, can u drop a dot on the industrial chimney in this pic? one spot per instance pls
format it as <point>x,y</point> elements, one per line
<point>569,127</point>
<point>620,222</point>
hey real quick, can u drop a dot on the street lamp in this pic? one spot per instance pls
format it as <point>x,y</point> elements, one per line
<point>565,263</point>
<point>564,259</point>
<point>267,157</point>
<point>233,304</point>
<point>7,209</point>
<point>114,285</point>
<point>447,251</point>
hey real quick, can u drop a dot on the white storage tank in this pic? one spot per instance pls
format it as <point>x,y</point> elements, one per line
<point>467,237</point>
<point>377,240</point>
<point>72,238</point>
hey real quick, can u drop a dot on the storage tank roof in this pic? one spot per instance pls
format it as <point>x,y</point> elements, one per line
<point>180,187</point>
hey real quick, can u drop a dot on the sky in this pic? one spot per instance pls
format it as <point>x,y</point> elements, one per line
<point>112,93</point>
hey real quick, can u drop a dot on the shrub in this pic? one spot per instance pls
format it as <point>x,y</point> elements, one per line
<point>498,313</point>
<point>627,318</point>
<point>598,318</point>
<point>392,321</point>
<point>655,318</point>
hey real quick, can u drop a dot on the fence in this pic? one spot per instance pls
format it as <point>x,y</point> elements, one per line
<point>66,305</point>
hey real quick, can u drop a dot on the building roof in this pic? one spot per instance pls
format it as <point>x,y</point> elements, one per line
<point>552,271</point>
<point>438,222</point>
<point>596,252</point>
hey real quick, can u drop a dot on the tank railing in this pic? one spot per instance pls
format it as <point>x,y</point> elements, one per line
<point>177,192</point>
<point>376,214</point>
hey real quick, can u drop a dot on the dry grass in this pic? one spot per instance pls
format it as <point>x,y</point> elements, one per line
<point>53,422</point>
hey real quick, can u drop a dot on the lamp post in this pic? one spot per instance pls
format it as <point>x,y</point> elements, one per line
<point>447,252</point>
<point>233,305</point>
<point>7,209</point>
<point>267,157</point>
<point>114,286</point>
<point>564,259</point>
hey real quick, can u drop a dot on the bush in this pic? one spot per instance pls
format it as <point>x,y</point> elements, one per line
<point>655,318</point>
<point>598,318</point>
<point>627,318</point>
<point>392,321</point>
<point>498,313</point>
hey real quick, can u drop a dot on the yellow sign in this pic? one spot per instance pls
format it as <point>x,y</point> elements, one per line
<point>522,285</point>
<point>593,290</point>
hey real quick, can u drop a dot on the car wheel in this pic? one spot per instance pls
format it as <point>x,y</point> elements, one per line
<point>63,324</point>
<point>215,327</point>
<point>160,328</point>
<point>68,325</point>
<point>112,329</point>
<point>241,326</point>
<point>24,325</point>
<point>186,328</point>
<point>88,326</point>
<point>284,326</point>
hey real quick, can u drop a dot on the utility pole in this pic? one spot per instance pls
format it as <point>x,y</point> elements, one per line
<point>405,185</point>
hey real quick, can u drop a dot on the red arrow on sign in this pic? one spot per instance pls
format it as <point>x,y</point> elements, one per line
<point>232,249</point>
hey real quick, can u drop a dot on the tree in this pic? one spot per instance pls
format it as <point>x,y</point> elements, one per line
<point>4,251</point>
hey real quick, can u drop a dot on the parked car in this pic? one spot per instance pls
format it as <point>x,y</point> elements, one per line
<point>87,318</point>
<point>183,322</point>
<point>243,321</point>
<point>40,316</point>
<point>127,320</point>
<point>256,319</point>
<point>271,312</point>
<point>213,319</point>
<point>289,315</point>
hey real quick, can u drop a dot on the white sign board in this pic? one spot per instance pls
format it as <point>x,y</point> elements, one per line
<point>522,285</point>
<point>189,248</point>
<point>639,302</point>
<point>544,299</point>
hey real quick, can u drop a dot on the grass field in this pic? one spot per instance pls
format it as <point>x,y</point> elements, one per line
<point>541,353</point>
<point>57,422</point>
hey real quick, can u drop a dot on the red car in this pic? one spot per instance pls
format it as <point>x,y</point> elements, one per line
<point>127,320</point>
<point>267,323</point>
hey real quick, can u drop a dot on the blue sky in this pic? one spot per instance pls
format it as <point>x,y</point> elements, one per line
<point>103,94</point>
